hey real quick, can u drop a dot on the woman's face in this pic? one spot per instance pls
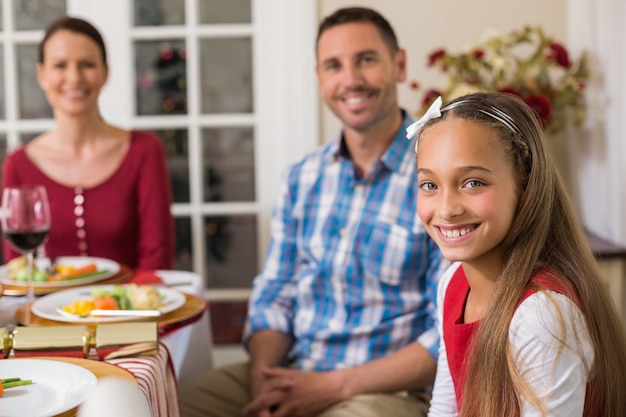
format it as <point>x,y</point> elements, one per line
<point>72,73</point>
<point>468,192</point>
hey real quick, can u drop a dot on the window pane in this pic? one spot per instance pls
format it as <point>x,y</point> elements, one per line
<point>161,77</point>
<point>3,114</point>
<point>33,104</point>
<point>183,260</point>
<point>37,14</point>
<point>228,163</point>
<point>159,12</point>
<point>26,137</point>
<point>221,12</point>
<point>226,68</point>
<point>177,147</point>
<point>231,251</point>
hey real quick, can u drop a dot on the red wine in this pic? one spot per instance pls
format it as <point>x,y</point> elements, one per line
<point>26,241</point>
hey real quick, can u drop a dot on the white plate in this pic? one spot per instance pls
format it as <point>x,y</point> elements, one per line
<point>49,305</point>
<point>111,268</point>
<point>57,387</point>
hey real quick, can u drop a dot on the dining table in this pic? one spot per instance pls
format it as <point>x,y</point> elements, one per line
<point>184,348</point>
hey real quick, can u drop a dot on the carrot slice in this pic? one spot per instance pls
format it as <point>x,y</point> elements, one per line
<point>78,271</point>
<point>105,303</point>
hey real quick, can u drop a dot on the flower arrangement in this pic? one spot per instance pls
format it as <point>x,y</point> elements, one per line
<point>527,63</point>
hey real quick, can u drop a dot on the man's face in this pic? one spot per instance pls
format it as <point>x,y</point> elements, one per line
<point>357,75</point>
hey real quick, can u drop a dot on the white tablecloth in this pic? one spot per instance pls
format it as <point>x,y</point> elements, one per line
<point>191,347</point>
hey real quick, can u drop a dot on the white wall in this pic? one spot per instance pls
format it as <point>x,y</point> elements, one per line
<point>422,26</point>
<point>597,26</point>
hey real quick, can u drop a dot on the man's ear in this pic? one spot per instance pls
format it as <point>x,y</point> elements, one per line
<point>400,63</point>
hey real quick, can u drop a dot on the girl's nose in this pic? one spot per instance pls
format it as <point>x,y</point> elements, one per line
<point>449,205</point>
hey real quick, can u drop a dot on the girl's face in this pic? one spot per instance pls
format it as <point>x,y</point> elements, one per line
<point>72,73</point>
<point>468,193</point>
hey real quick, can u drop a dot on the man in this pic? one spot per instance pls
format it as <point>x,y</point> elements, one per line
<point>341,318</point>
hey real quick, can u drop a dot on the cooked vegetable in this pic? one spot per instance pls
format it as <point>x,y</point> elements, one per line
<point>13,382</point>
<point>79,307</point>
<point>144,297</point>
<point>105,303</point>
<point>132,297</point>
<point>16,269</point>
<point>70,272</point>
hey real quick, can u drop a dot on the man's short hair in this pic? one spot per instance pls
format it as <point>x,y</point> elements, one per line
<point>360,15</point>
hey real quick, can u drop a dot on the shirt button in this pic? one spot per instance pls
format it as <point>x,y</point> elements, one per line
<point>82,246</point>
<point>343,231</point>
<point>79,199</point>
<point>78,211</point>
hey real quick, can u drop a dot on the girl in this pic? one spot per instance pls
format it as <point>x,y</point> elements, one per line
<point>528,328</point>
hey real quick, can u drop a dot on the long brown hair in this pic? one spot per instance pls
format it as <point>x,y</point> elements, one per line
<point>545,233</point>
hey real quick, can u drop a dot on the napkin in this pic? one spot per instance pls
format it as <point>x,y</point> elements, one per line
<point>146,277</point>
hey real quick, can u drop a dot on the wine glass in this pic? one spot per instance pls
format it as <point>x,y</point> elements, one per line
<point>25,222</point>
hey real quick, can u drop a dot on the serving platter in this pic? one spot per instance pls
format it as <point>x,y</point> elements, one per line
<point>188,313</point>
<point>50,306</point>
<point>106,268</point>
<point>12,287</point>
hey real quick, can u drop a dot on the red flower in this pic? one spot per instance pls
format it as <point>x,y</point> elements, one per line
<point>435,56</point>
<point>559,54</point>
<point>511,90</point>
<point>542,107</point>
<point>478,53</point>
<point>430,96</point>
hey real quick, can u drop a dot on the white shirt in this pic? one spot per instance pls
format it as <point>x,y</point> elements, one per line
<point>558,373</point>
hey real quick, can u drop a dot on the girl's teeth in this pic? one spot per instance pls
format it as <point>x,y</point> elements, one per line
<point>456,232</point>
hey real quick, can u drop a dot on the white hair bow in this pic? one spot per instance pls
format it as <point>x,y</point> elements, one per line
<point>433,112</point>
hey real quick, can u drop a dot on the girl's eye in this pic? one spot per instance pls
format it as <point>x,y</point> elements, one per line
<point>473,184</point>
<point>428,186</point>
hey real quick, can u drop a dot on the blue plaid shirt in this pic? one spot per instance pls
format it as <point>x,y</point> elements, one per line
<point>350,272</point>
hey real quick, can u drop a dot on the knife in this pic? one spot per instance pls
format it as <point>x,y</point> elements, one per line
<point>125,313</point>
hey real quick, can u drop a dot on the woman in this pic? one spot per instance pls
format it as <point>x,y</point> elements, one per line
<point>528,327</point>
<point>108,187</point>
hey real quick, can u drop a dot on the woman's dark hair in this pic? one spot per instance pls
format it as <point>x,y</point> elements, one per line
<point>360,15</point>
<point>75,25</point>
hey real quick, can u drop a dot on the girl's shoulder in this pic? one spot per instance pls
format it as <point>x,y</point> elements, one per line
<point>546,279</point>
